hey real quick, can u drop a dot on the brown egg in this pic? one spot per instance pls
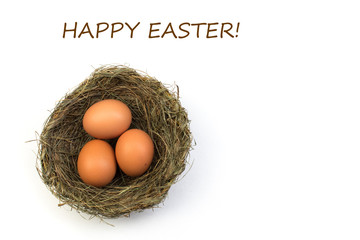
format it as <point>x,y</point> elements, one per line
<point>96,163</point>
<point>134,152</point>
<point>107,119</point>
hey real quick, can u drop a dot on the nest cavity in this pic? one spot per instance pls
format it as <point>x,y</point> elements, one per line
<point>155,109</point>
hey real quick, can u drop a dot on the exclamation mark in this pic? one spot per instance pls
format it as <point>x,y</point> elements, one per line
<point>237,29</point>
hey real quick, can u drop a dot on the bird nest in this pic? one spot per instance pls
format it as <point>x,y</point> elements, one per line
<point>155,109</point>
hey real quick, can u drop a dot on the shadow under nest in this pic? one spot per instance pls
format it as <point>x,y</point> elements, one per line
<point>155,109</point>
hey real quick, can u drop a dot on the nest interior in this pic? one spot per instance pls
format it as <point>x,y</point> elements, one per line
<point>155,109</point>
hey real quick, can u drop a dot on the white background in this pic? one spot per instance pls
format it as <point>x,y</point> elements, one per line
<point>274,112</point>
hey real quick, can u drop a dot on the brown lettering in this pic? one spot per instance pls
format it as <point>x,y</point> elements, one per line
<point>153,30</point>
<point>211,30</point>
<point>169,26</point>
<point>83,31</point>
<point>184,30</point>
<point>117,30</point>
<point>102,30</point>
<point>132,29</point>
<point>226,30</point>
<point>198,28</point>
<point>70,30</point>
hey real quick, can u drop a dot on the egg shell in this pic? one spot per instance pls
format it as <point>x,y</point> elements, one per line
<point>134,152</point>
<point>96,163</point>
<point>107,119</point>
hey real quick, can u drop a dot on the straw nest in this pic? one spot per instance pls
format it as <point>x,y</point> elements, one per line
<point>155,109</point>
